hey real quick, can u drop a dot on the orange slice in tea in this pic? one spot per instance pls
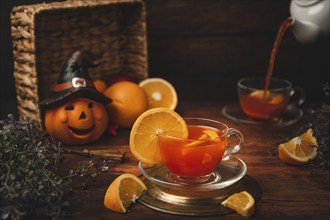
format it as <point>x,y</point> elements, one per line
<point>207,133</point>
<point>160,93</point>
<point>276,100</point>
<point>143,137</point>
<point>124,190</point>
<point>242,203</point>
<point>299,150</point>
<point>211,133</point>
<point>260,94</point>
<point>267,96</point>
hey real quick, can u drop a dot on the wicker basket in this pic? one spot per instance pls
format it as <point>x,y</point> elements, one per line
<point>45,35</point>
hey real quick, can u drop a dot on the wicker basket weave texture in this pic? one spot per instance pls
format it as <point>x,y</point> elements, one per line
<point>45,35</point>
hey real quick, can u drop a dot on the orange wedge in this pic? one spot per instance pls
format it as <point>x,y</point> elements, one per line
<point>124,190</point>
<point>242,203</point>
<point>143,137</point>
<point>160,93</point>
<point>299,150</point>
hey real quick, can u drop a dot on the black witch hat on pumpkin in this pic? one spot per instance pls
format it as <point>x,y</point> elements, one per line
<point>75,82</point>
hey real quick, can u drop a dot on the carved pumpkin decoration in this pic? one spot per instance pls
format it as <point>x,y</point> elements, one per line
<point>75,111</point>
<point>79,121</point>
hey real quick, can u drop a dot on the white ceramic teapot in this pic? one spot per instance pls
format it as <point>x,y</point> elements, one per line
<point>311,19</point>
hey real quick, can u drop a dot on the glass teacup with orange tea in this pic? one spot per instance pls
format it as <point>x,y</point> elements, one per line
<point>259,102</point>
<point>190,148</point>
<point>193,159</point>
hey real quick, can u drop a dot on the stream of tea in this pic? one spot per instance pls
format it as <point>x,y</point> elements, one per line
<point>284,26</point>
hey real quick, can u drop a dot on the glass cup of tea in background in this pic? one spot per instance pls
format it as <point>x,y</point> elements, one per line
<point>260,103</point>
<point>194,159</point>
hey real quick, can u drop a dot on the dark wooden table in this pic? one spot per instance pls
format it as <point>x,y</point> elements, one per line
<point>288,191</point>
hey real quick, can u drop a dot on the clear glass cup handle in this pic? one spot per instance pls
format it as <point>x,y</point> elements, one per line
<point>299,92</point>
<point>238,143</point>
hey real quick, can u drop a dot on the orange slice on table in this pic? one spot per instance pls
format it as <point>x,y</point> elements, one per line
<point>242,203</point>
<point>143,137</point>
<point>124,190</point>
<point>299,150</point>
<point>160,93</point>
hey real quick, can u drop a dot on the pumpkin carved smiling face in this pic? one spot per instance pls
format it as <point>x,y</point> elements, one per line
<point>79,121</point>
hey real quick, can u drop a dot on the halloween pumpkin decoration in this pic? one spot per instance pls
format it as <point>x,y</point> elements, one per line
<point>78,121</point>
<point>75,110</point>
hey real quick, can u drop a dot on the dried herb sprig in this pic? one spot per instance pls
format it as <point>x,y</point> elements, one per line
<point>320,121</point>
<point>29,183</point>
<point>319,118</point>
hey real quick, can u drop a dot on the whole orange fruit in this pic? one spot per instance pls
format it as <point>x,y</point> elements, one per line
<point>114,78</point>
<point>100,85</point>
<point>129,101</point>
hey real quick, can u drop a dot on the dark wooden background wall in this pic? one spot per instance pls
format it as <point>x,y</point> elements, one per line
<point>204,46</point>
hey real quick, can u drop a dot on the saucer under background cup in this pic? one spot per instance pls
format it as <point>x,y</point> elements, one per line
<point>290,116</point>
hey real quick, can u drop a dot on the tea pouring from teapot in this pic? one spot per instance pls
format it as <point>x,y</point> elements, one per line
<point>310,19</point>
